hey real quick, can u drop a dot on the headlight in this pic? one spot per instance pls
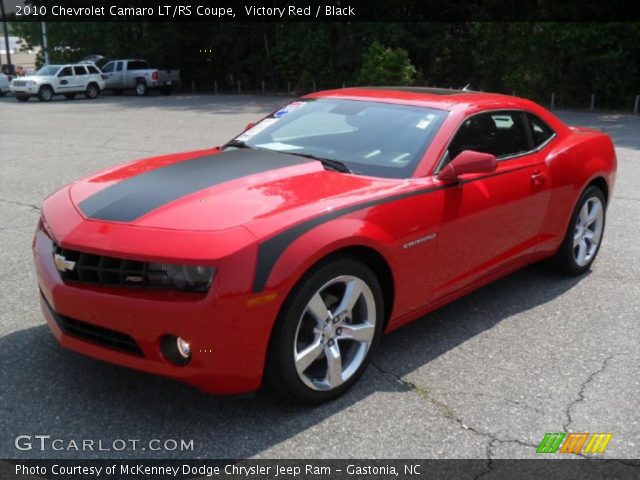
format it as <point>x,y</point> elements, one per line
<point>189,278</point>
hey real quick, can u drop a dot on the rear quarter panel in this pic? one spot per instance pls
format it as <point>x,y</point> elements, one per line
<point>577,158</point>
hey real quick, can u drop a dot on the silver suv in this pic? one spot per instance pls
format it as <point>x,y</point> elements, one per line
<point>67,80</point>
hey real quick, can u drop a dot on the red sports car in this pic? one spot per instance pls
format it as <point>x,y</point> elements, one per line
<point>281,257</point>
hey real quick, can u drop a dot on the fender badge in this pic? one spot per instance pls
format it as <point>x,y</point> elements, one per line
<point>419,241</point>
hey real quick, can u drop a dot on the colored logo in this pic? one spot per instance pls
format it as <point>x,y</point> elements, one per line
<point>594,443</point>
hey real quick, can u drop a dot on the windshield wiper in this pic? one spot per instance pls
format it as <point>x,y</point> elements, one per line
<point>237,144</point>
<point>336,165</point>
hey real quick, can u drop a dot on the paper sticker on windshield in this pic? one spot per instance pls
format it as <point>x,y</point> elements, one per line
<point>288,109</point>
<point>426,121</point>
<point>256,129</point>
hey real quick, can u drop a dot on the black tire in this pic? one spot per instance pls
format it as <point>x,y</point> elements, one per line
<point>92,91</point>
<point>70,96</point>
<point>2,93</point>
<point>22,98</point>
<point>141,88</point>
<point>281,376</point>
<point>45,94</point>
<point>564,261</point>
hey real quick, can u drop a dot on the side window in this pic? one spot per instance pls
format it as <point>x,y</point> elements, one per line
<point>93,70</point>
<point>79,70</point>
<point>500,133</point>
<point>65,72</point>
<point>137,65</point>
<point>119,67</point>
<point>540,131</point>
<point>109,67</point>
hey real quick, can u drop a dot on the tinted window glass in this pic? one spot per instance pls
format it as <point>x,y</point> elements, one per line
<point>92,69</point>
<point>540,131</point>
<point>65,72</point>
<point>500,133</point>
<point>137,65</point>
<point>371,138</point>
<point>119,67</point>
<point>79,70</point>
<point>108,67</point>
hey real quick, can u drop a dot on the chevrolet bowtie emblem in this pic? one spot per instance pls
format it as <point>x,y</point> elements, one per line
<point>62,264</point>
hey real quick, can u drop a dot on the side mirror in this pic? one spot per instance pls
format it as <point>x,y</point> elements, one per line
<point>468,161</point>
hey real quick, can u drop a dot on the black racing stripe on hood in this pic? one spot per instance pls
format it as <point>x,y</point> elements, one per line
<point>136,196</point>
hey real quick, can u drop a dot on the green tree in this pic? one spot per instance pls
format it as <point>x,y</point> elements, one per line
<point>386,66</point>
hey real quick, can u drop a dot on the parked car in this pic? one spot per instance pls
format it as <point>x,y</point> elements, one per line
<point>68,80</point>
<point>4,84</point>
<point>10,70</point>
<point>281,257</point>
<point>137,75</point>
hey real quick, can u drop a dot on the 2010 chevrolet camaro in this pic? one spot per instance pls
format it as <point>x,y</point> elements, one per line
<point>281,257</point>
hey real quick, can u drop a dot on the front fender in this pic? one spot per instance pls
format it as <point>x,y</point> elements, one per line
<point>310,247</point>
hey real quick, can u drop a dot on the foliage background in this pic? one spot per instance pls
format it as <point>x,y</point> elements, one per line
<point>573,59</point>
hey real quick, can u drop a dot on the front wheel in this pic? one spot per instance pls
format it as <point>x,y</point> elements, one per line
<point>45,94</point>
<point>584,234</point>
<point>326,332</point>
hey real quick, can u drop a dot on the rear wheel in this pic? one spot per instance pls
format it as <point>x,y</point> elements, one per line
<point>70,96</point>
<point>584,234</point>
<point>45,94</point>
<point>326,332</point>
<point>141,88</point>
<point>92,91</point>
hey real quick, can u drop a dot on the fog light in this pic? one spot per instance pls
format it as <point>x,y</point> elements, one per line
<point>176,349</point>
<point>184,349</point>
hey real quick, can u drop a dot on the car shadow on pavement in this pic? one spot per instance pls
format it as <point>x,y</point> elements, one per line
<point>45,389</point>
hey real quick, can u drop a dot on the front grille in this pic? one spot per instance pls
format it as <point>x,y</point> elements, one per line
<point>95,334</point>
<point>19,83</point>
<point>109,271</point>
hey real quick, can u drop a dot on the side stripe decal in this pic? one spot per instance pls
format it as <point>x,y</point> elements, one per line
<point>271,249</point>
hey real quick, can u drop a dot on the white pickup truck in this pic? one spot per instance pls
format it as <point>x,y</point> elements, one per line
<point>137,75</point>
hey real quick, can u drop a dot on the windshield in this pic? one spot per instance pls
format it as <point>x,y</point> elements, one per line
<point>48,70</point>
<point>370,138</point>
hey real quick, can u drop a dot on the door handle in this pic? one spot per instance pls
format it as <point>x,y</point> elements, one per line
<point>537,178</point>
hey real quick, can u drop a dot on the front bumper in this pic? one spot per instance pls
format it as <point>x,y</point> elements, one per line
<point>30,90</point>
<point>228,336</point>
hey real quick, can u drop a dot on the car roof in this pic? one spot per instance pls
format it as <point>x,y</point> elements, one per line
<point>439,98</point>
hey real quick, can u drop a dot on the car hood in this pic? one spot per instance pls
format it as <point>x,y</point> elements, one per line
<point>212,190</point>
<point>35,78</point>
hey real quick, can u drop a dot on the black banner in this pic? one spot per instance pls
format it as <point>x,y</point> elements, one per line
<point>320,10</point>
<point>316,469</point>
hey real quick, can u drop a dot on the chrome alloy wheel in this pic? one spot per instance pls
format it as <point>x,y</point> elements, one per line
<point>588,231</point>
<point>335,332</point>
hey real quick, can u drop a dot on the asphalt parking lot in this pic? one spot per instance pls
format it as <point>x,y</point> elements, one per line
<point>486,376</point>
